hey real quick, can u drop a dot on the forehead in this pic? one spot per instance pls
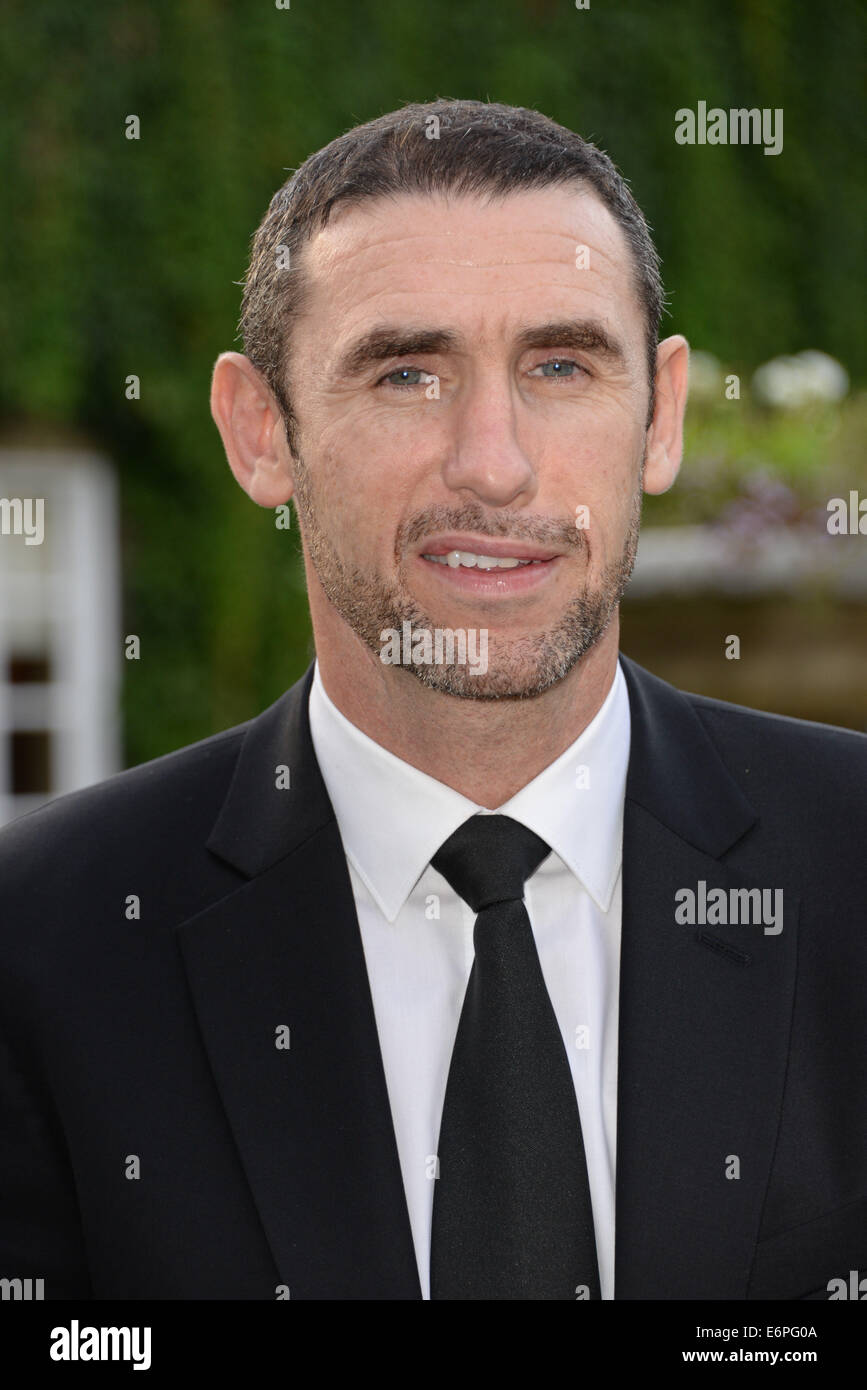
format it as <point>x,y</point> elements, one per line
<point>482,262</point>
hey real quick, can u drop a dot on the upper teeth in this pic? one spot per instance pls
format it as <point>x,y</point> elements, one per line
<point>482,562</point>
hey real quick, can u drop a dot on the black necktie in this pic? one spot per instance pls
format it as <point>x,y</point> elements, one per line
<point>512,1217</point>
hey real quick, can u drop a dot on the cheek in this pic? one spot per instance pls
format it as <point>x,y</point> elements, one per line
<point>592,479</point>
<point>338,508</point>
<point>362,446</point>
<point>360,490</point>
<point>386,457</point>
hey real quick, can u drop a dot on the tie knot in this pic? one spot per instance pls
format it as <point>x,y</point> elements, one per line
<point>488,860</point>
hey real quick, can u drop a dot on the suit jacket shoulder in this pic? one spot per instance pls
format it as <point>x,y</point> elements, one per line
<point>141,833</point>
<point>809,778</point>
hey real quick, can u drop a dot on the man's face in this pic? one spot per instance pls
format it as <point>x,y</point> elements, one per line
<point>470,380</point>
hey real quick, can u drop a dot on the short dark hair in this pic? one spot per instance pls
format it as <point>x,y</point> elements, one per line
<point>482,148</point>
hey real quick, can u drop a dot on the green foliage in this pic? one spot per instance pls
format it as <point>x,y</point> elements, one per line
<point>815,452</point>
<point>123,256</point>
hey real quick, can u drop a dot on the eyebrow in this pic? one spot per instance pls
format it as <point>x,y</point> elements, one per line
<point>581,335</point>
<point>390,341</point>
<point>381,344</point>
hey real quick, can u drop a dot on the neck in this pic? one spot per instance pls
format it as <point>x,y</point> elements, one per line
<point>486,750</point>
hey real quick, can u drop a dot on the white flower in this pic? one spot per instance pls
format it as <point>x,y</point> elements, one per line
<point>789,382</point>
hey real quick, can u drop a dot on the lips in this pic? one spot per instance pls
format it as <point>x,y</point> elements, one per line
<point>496,548</point>
<point>494,583</point>
<point>467,560</point>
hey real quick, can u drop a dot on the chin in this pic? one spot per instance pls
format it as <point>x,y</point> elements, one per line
<point>508,677</point>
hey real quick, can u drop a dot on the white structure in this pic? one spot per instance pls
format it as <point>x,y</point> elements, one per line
<point>692,559</point>
<point>59,625</point>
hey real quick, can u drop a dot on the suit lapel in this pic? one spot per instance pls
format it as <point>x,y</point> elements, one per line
<point>704,1020</point>
<point>311,1121</point>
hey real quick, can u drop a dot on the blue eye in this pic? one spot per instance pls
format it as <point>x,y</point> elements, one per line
<point>407,376</point>
<point>560,368</point>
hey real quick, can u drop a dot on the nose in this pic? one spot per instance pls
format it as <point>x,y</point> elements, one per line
<point>485,455</point>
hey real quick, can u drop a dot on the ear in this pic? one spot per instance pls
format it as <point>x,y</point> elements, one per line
<point>665,435</point>
<point>251,427</point>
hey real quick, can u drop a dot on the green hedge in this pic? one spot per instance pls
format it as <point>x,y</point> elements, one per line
<point>123,256</point>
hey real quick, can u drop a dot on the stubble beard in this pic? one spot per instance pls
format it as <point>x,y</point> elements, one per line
<point>517,668</point>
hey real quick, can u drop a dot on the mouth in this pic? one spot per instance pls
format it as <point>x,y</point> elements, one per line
<point>488,565</point>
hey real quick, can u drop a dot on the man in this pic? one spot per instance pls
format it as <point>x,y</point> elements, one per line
<point>483,964</point>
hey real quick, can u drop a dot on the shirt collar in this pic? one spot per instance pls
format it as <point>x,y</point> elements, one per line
<point>575,804</point>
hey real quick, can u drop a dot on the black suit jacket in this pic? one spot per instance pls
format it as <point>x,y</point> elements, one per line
<point>266,1170</point>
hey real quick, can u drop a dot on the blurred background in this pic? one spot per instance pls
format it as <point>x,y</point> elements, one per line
<point>120,287</point>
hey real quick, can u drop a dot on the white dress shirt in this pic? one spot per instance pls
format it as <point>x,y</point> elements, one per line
<point>417,934</point>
